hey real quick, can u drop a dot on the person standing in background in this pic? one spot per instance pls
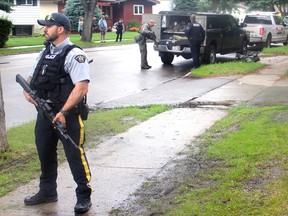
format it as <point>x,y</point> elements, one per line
<point>120,27</point>
<point>103,28</point>
<point>80,25</point>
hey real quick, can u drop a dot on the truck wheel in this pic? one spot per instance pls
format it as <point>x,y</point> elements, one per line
<point>166,57</point>
<point>211,55</point>
<point>286,42</point>
<point>243,50</point>
<point>268,42</point>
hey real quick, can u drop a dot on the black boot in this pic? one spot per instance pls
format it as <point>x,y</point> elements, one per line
<point>83,205</point>
<point>38,199</point>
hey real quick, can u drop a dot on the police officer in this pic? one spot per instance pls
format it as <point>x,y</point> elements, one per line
<point>146,32</point>
<point>196,35</point>
<point>60,76</point>
<point>119,29</point>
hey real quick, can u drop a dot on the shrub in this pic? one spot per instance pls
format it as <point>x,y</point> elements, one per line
<point>133,24</point>
<point>37,34</point>
<point>5,26</point>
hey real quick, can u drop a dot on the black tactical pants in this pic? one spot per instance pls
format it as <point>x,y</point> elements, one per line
<point>46,142</point>
<point>195,53</point>
<point>119,35</point>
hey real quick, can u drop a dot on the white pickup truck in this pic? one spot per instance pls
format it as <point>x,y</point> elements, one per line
<point>266,28</point>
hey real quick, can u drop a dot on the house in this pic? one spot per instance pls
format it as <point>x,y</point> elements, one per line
<point>126,9</point>
<point>26,12</point>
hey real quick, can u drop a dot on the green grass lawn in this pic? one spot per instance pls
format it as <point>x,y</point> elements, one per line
<point>227,68</point>
<point>75,38</point>
<point>22,42</point>
<point>279,50</point>
<point>246,166</point>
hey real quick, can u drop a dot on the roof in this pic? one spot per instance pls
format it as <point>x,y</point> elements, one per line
<point>262,13</point>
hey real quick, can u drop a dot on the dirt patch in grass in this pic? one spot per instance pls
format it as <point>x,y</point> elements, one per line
<point>183,174</point>
<point>186,173</point>
<point>156,194</point>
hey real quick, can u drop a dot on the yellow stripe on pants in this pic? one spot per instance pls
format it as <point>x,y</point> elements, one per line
<point>81,141</point>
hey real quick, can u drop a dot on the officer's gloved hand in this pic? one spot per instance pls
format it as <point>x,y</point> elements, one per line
<point>156,42</point>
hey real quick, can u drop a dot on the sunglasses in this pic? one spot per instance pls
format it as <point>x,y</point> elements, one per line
<point>49,18</point>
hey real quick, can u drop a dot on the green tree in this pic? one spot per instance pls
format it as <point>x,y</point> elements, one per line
<point>206,5</point>
<point>184,5</point>
<point>88,10</point>
<point>5,6</point>
<point>5,24</point>
<point>268,5</point>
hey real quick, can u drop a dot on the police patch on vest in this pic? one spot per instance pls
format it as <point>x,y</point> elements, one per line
<point>50,56</point>
<point>80,58</point>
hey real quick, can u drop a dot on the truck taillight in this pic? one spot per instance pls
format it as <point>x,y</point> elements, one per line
<point>164,24</point>
<point>261,31</point>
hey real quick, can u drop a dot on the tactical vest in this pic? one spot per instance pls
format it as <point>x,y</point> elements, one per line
<point>50,80</point>
<point>194,33</point>
<point>119,26</point>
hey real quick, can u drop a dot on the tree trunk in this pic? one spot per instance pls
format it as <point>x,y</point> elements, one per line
<point>215,5</point>
<point>3,139</point>
<point>89,9</point>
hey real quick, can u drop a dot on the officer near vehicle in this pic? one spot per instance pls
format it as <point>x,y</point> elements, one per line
<point>196,35</point>
<point>60,76</point>
<point>145,33</point>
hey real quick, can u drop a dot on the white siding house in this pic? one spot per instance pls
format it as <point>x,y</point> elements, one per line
<point>25,14</point>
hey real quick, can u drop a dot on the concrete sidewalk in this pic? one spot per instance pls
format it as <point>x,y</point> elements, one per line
<point>123,163</point>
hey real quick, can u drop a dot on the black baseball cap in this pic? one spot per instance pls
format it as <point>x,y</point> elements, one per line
<point>56,19</point>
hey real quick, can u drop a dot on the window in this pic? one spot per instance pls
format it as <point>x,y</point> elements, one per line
<point>214,22</point>
<point>26,2</point>
<point>278,20</point>
<point>106,11</point>
<point>232,22</point>
<point>138,9</point>
<point>22,30</point>
<point>258,19</point>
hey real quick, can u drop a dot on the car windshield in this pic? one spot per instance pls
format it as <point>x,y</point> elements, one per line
<point>256,19</point>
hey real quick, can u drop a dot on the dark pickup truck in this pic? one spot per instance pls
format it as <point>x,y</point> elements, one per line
<point>223,35</point>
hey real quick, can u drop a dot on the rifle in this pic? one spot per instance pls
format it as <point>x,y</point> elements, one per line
<point>46,109</point>
<point>152,36</point>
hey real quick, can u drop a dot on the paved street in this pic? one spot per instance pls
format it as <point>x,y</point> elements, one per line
<point>115,73</point>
